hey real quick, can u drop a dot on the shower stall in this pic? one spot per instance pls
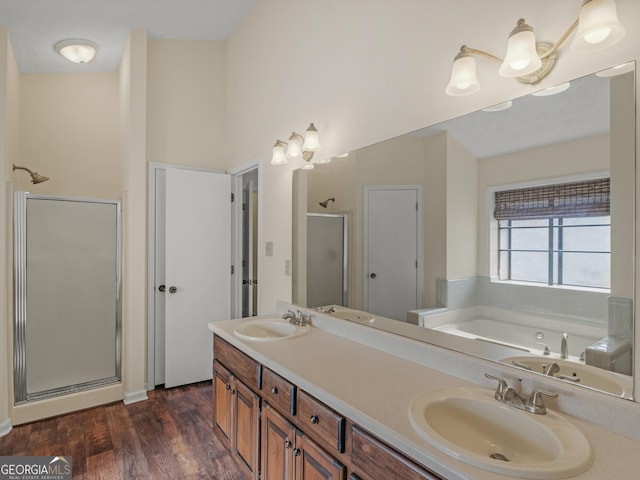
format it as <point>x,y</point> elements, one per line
<point>327,259</point>
<point>66,295</point>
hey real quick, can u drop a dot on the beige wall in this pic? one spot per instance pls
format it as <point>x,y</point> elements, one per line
<point>462,211</point>
<point>9,151</point>
<point>623,168</point>
<point>186,103</point>
<point>70,132</point>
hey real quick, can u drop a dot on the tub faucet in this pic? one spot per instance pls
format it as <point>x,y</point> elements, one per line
<point>551,369</point>
<point>564,347</point>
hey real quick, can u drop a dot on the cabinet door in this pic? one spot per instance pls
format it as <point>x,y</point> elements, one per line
<point>222,403</point>
<point>313,463</point>
<point>278,436</point>
<point>245,438</point>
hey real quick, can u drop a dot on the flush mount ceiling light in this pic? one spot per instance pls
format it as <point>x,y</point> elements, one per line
<point>529,61</point>
<point>77,50</point>
<point>297,147</point>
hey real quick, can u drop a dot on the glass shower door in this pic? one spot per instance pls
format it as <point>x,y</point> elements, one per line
<point>67,285</point>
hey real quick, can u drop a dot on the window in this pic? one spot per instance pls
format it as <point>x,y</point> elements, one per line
<point>555,234</point>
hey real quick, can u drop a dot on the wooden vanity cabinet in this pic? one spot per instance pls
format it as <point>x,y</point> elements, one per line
<point>288,454</point>
<point>376,460</point>
<point>236,419</point>
<point>276,431</point>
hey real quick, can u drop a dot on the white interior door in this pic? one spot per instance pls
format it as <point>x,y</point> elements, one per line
<point>197,269</point>
<point>392,246</point>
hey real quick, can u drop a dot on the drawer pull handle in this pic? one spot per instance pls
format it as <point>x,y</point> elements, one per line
<point>315,419</point>
<point>228,387</point>
<point>287,444</point>
<point>296,451</point>
<point>274,390</point>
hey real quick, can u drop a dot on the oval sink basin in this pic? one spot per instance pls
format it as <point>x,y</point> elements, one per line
<point>268,329</point>
<point>470,425</point>
<point>578,373</point>
<point>353,315</point>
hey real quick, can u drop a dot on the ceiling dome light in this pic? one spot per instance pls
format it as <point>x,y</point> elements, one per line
<point>545,92</point>
<point>77,50</point>
<point>500,107</point>
<point>598,26</point>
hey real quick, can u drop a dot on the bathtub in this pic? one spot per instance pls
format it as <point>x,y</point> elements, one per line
<point>513,329</point>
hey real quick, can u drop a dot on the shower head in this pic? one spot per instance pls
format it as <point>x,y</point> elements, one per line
<point>35,176</point>
<point>326,202</point>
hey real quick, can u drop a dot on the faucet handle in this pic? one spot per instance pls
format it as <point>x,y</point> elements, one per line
<point>502,387</point>
<point>536,404</point>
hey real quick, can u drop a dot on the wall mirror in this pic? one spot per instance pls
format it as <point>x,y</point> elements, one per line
<point>507,233</point>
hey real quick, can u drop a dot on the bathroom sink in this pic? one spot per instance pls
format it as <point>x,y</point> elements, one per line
<point>579,373</point>
<point>353,316</point>
<point>268,329</point>
<point>470,425</point>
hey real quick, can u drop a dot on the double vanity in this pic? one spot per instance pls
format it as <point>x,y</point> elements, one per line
<point>329,400</point>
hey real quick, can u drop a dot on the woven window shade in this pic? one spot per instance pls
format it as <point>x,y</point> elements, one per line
<point>576,199</point>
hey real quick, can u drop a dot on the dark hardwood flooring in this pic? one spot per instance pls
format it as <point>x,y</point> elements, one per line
<point>168,436</point>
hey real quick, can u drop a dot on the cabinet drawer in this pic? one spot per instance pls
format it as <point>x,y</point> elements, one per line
<point>314,416</point>
<point>379,461</point>
<point>279,392</point>
<point>242,366</point>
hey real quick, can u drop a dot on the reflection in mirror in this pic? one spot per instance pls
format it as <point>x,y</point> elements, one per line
<point>505,234</point>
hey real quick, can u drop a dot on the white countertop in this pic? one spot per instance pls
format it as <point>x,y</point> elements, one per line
<point>374,389</point>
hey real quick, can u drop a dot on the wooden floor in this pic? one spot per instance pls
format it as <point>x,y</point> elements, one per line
<point>168,436</point>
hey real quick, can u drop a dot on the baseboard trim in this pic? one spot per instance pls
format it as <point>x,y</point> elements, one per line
<point>135,397</point>
<point>5,427</point>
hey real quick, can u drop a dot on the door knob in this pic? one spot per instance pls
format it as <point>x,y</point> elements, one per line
<point>173,289</point>
<point>373,275</point>
<point>161,288</point>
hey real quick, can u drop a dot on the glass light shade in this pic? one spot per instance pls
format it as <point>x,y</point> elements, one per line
<point>522,57</point>
<point>311,140</point>
<point>598,27</point>
<point>464,80</point>
<point>77,51</point>
<point>278,157</point>
<point>294,149</point>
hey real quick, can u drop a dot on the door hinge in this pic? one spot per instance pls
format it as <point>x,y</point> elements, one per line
<point>233,269</point>
<point>233,197</point>
<point>416,263</point>
<point>417,209</point>
<point>244,207</point>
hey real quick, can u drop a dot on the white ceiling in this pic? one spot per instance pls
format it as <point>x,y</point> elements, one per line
<point>35,26</point>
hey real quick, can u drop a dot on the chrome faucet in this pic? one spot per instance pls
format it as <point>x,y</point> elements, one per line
<point>297,318</point>
<point>506,394</point>
<point>551,369</point>
<point>564,347</point>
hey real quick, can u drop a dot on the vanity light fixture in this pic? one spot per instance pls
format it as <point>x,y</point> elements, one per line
<point>297,146</point>
<point>77,50</point>
<point>529,61</point>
